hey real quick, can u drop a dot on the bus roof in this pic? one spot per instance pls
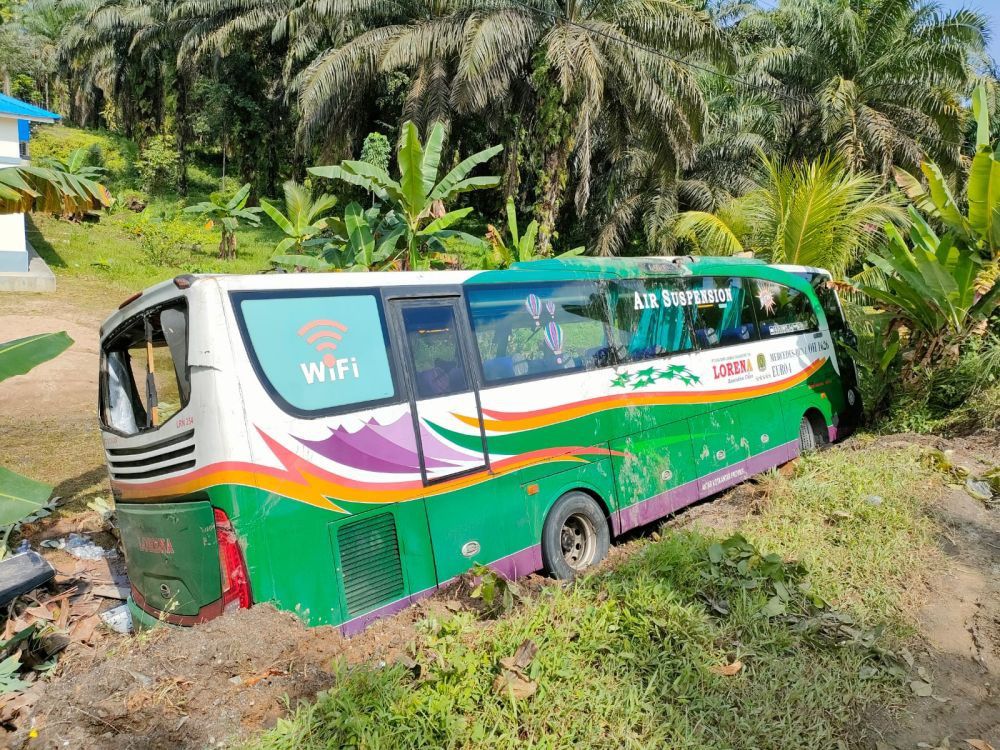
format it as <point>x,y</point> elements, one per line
<point>537,270</point>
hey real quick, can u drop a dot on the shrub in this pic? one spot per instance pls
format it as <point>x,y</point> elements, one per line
<point>114,153</point>
<point>157,166</point>
<point>165,241</point>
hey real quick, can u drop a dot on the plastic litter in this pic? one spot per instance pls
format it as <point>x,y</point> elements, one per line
<point>979,489</point>
<point>118,619</point>
<point>875,500</point>
<point>80,547</point>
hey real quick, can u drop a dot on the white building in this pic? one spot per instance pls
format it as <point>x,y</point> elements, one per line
<point>15,117</point>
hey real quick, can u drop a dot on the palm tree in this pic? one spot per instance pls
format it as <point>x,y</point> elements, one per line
<point>880,82</point>
<point>598,70</point>
<point>815,214</point>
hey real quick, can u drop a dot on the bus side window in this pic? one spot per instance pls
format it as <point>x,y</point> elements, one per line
<point>782,310</point>
<point>721,311</point>
<point>438,365</point>
<point>650,318</point>
<point>527,330</point>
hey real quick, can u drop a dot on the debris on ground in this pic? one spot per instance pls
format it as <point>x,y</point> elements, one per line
<point>118,619</point>
<point>22,573</point>
<point>80,547</point>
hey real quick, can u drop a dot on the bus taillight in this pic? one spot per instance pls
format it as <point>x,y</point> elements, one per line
<point>235,582</point>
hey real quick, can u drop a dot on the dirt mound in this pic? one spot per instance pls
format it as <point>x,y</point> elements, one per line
<point>197,687</point>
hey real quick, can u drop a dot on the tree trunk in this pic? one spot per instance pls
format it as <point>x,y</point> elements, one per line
<point>182,131</point>
<point>551,191</point>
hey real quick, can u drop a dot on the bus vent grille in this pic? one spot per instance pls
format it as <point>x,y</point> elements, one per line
<point>370,566</point>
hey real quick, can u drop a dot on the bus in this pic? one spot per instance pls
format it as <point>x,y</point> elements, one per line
<point>341,445</point>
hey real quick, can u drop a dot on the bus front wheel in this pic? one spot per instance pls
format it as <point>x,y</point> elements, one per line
<point>575,535</point>
<point>809,437</point>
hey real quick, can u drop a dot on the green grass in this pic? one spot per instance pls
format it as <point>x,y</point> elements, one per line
<point>112,249</point>
<point>625,656</point>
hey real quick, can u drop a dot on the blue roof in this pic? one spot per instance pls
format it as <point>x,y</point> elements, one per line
<point>11,107</point>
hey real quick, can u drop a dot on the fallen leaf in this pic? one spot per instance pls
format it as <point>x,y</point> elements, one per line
<point>522,657</point>
<point>921,689</point>
<point>979,744</point>
<point>727,670</point>
<point>514,684</point>
<point>83,629</point>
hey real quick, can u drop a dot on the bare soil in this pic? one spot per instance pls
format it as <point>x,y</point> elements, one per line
<point>210,684</point>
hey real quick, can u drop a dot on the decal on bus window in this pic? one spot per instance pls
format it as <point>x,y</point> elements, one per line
<point>320,352</point>
<point>683,298</point>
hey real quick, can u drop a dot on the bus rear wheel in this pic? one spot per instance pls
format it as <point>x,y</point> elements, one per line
<point>575,535</point>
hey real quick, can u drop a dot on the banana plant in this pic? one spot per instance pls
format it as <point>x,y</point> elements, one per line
<point>980,229</point>
<point>522,247</point>
<point>931,289</point>
<point>229,215</point>
<point>303,219</point>
<point>418,197</point>
<point>75,164</point>
<point>21,497</point>
<point>363,240</point>
<point>26,188</point>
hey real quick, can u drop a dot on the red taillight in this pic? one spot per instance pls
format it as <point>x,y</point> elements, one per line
<point>235,582</point>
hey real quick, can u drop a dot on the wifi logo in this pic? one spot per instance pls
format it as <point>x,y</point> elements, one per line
<point>323,336</point>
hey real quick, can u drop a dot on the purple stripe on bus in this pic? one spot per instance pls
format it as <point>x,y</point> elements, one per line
<point>358,624</point>
<point>672,500</point>
<point>520,563</point>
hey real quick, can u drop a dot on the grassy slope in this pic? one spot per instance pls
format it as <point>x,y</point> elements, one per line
<point>624,656</point>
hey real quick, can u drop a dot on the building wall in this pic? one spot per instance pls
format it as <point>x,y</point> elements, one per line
<point>13,251</point>
<point>8,138</point>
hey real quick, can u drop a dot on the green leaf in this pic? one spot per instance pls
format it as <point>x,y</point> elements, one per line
<point>277,217</point>
<point>980,110</point>
<point>339,173</point>
<point>944,201</point>
<point>410,159</point>
<point>444,188</point>
<point>432,157</point>
<point>240,199</point>
<point>359,234</point>
<point>20,355</point>
<point>445,221</point>
<point>20,496</point>
<point>512,223</point>
<point>984,198</point>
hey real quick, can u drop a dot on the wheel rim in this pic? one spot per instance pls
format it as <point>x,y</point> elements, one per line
<point>578,540</point>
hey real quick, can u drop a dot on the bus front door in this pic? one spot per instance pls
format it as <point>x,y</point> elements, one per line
<point>446,415</point>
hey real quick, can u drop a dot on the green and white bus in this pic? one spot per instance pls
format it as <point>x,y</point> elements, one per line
<point>342,444</point>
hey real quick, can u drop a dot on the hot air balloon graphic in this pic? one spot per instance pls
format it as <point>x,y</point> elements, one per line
<point>534,306</point>
<point>554,338</point>
<point>551,307</point>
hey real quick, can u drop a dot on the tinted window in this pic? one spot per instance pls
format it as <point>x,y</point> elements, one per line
<point>827,296</point>
<point>432,341</point>
<point>721,311</point>
<point>319,352</point>
<point>782,310</point>
<point>651,319</point>
<point>531,329</point>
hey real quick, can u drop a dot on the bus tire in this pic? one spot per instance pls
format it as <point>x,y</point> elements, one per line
<point>575,535</point>
<point>809,438</point>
